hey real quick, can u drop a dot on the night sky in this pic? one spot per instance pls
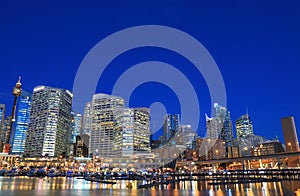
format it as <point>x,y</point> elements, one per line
<point>255,44</point>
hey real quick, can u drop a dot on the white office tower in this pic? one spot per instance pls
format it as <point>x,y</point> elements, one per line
<point>50,121</point>
<point>132,132</point>
<point>102,129</point>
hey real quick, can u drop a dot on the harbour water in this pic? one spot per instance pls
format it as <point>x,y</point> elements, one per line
<point>26,186</point>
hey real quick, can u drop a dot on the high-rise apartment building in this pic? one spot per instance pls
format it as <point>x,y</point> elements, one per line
<point>102,125</point>
<point>50,121</point>
<point>132,131</point>
<point>18,135</point>
<point>243,126</point>
<point>171,126</point>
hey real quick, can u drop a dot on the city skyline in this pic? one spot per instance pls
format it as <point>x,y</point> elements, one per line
<point>257,52</point>
<point>233,129</point>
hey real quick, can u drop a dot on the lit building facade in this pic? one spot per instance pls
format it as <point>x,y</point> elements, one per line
<point>102,125</point>
<point>210,148</point>
<point>50,121</point>
<point>171,126</point>
<point>132,132</point>
<point>243,126</point>
<point>87,119</point>
<point>75,126</point>
<point>267,148</point>
<point>74,132</point>
<point>223,116</point>
<point>81,150</point>
<point>213,128</point>
<point>18,138</point>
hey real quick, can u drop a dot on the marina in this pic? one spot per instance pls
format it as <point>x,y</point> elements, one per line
<point>73,186</point>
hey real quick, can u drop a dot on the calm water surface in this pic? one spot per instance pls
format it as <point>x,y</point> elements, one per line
<point>25,186</point>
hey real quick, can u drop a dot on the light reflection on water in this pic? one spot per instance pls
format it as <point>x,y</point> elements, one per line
<point>71,186</point>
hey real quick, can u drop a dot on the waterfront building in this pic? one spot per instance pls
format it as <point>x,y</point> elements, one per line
<point>102,125</point>
<point>81,149</point>
<point>233,152</point>
<point>248,142</point>
<point>290,139</point>
<point>171,126</point>
<point>183,140</point>
<point>18,135</point>
<point>267,148</point>
<point>50,121</point>
<point>243,126</point>
<point>132,131</point>
<point>209,148</point>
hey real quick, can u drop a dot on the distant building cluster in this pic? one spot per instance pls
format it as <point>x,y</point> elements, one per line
<point>44,125</point>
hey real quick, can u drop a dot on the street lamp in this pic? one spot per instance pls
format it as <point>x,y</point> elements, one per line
<point>290,145</point>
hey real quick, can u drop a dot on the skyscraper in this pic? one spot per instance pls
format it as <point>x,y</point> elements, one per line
<point>243,126</point>
<point>87,119</point>
<point>75,126</point>
<point>102,129</point>
<point>290,139</point>
<point>50,120</point>
<point>171,126</point>
<point>223,116</point>
<point>74,132</point>
<point>213,128</point>
<point>20,128</point>
<point>132,131</point>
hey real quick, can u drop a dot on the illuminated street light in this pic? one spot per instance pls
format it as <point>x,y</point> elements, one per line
<point>290,145</point>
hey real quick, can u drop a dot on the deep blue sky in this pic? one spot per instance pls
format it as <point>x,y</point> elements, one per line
<point>255,44</point>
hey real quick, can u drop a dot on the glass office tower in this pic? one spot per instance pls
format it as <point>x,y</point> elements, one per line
<point>132,132</point>
<point>171,126</point>
<point>243,126</point>
<point>18,138</point>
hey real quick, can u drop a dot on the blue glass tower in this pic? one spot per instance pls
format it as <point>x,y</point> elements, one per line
<point>171,126</point>
<point>20,128</point>
<point>225,124</point>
